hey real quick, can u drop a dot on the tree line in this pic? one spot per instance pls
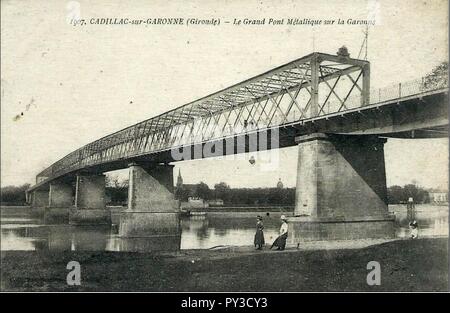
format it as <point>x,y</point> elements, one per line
<point>117,193</point>
<point>14,195</point>
<point>237,196</point>
<point>398,194</point>
<point>283,196</point>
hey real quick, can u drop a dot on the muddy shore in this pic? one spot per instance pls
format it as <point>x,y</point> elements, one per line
<point>406,265</point>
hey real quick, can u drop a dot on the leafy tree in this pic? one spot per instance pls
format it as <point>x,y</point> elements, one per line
<point>417,193</point>
<point>114,181</point>
<point>181,193</point>
<point>13,194</point>
<point>202,190</point>
<point>398,194</point>
<point>222,191</point>
<point>260,196</point>
<point>438,78</point>
<point>116,190</point>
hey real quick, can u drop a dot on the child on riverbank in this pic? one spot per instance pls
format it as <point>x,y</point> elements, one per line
<point>414,229</point>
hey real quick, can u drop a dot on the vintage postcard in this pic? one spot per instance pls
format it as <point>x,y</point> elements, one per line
<point>224,146</point>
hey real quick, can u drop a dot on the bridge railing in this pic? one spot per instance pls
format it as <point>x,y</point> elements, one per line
<point>409,88</point>
<point>394,91</point>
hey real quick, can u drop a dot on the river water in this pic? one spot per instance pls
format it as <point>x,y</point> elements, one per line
<point>20,231</point>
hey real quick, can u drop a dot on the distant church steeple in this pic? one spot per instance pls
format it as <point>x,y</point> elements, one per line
<point>179,179</point>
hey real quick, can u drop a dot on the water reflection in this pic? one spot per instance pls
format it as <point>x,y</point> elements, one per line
<point>432,220</point>
<point>197,225</point>
<point>21,232</point>
<point>156,243</point>
<point>11,241</point>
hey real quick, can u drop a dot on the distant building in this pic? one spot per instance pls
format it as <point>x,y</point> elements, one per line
<point>280,184</point>
<point>438,196</point>
<point>194,203</point>
<point>216,202</point>
<point>181,184</point>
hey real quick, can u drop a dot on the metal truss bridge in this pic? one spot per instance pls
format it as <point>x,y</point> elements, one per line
<point>316,93</point>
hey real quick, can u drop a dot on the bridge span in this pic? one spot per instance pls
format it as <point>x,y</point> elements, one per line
<point>323,103</point>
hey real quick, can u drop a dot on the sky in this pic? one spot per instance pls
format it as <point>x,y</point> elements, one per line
<point>76,84</point>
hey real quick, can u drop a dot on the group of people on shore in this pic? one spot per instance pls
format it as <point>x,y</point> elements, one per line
<point>280,241</point>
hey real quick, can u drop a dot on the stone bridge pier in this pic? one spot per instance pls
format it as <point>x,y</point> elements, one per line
<point>90,206</point>
<point>151,221</point>
<point>341,189</point>
<point>38,199</point>
<point>60,199</point>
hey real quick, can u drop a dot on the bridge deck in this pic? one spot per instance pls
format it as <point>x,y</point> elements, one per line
<point>313,88</point>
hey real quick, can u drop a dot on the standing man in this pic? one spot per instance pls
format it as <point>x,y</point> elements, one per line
<point>410,209</point>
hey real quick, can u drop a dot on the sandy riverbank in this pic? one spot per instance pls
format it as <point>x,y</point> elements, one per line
<point>406,265</point>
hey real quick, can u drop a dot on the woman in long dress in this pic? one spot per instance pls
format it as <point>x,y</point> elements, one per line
<point>259,236</point>
<point>280,242</point>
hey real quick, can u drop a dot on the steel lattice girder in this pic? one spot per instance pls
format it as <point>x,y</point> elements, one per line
<point>256,103</point>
